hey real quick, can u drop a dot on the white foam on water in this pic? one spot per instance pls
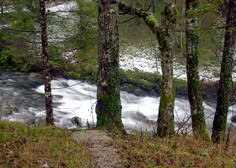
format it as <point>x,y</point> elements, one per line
<point>137,112</point>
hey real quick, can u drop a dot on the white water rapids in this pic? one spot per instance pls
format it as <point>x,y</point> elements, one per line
<point>138,113</point>
<point>24,102</point>
<point>73,98</point>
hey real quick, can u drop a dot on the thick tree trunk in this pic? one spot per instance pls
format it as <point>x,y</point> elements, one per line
<point>165,122</point>
<point>164,35</point>
<point>46,68</point>
<point>194,87</point>
<point>108,106</point>
<point>220,119</point>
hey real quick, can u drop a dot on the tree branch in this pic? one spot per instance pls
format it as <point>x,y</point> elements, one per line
<point>128,20</point>
<point>148,17</point>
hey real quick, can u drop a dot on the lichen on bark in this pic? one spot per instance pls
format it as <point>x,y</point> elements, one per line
<point>225,84</point>
<point>194,88</point>
<point>108,106</point>
<point>165,35</point>
<point>46,66</point>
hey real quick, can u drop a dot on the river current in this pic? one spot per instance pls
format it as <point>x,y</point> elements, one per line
<point>22,99</point>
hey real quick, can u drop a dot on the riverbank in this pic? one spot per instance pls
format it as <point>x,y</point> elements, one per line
<point>23,146</point>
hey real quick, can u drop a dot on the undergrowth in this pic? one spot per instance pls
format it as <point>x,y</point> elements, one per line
<point>23,146</point>
<point>143,151</point>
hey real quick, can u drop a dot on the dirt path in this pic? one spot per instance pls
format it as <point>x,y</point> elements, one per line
<point>98,142</point>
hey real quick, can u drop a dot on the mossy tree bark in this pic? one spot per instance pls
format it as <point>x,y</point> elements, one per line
<point>194,88</point>
<point>225,84</point>
<point>164,35</point>
<point>46,68</point>
<point>108,106</point>
<point>165,122</point>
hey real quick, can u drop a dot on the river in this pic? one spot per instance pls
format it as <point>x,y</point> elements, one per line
<point>22,99</point>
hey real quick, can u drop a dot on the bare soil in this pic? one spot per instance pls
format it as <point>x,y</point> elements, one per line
<point>98,142</point>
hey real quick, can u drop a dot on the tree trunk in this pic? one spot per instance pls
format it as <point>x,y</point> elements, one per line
<point>164,35</point>
<point>220,119</point>
<point>46,68</point>
<point>153,6</point>
<point>82,27</point>
<point>108,106</point>
<point>1,5</point>
<point>165,124</point>
<point>194,87</point>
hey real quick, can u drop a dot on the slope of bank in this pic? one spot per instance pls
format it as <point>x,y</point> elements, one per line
<point>46,147</point>
<point>23,146</point>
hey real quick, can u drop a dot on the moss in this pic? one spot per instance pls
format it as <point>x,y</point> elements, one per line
<point>152,20</point>
<point>74,75</point>
<point>219,125</point>
<point>194,88</point>
<point>109,105</point>
<point>166,115</point>
<point>200,129</point>
<point>109,115</point>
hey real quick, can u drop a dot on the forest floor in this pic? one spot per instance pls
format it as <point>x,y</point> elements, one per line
<point>99,143</point>
<point>141,150</point>
<point>50,146</point>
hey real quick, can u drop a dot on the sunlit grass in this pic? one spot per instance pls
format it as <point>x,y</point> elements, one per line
<point>23,146</point>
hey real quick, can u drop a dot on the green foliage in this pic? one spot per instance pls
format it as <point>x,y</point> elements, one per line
<point>59,66</point>
<point>84,35</point>
<point>74,75</point>
<point>210,30</point>
<point>84,39</point>
<point>204,7</point>
<point>140,83</point>
<point>17,51</point>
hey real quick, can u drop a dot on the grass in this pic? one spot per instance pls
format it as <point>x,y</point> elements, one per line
<point>23,146</point>
<point>180,151</point>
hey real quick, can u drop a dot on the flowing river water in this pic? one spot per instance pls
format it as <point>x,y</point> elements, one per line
<point>22,99</point>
